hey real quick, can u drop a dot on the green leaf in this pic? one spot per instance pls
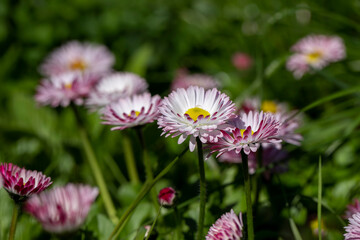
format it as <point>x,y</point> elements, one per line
<point>139,60</point>
<point>105,226</point>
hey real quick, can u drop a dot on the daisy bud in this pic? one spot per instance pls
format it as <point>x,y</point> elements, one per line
<point>167,196</point>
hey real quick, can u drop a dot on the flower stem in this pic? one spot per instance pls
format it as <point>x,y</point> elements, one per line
<point>202,190</point>
<point>178,232</point>
<point>145,189</point>
<point>95,168</point>
<point>14,222</point>
<point>147,164</point>
<point>153,225</point>
<point>129,159</point>
<point>249,215</point>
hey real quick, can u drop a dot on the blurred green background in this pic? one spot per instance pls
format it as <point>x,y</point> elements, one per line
<point>154,39</point>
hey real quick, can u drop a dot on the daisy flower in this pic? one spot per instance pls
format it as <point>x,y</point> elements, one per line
<point>76,56</point>
<point>282,115</point>
<point>196,113</point>
<point>21,183</point>
<point>246,133</point>
<point>353,229</point>
<point>352,209</point>
<point>315,52</point>
<point>63,89</point>
<point>185,80</point>
<point>62,209</point>
<point>132,111</point>
<point>228,227</point>
<point>115,86</point>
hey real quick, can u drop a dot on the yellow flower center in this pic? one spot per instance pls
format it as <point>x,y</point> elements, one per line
<point>68,85</point>
<point>313,57</point>
<point>195,112</point>
<point>269,106</point>
<point>136,113</point>
<point>243,130</point>
<point>78,65</point>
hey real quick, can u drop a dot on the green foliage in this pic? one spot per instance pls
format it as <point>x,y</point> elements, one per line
<point>154,39</point>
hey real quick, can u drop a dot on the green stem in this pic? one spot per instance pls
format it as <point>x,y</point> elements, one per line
<point>153,225</point>
<point>95,168</point>
<point>130,160</point>
<point>14,222</point>
<point>319,199</point>
<point>178,232</point>
<point>202,189</point>
<point>249,215</point>
<point>145,189</point>
<point>147,164</point>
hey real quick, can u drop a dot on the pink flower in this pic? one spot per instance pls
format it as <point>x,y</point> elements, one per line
<point>242,61</point>
<point>289,124</point>
<point>21,183</point>
<point>75,56</point>
<point>185,80</point>
<point>63,89</point>
<point>246,133</point>
<point>115,86</point>
<point>167,196</point>
<point>62,209</point>
<point>352,209</point>
<point>132,111</point>
<point>353,229</point>
<point>228,227</point>
<point>233,157</point>
<point>315,52</point>
<point>196,113</point>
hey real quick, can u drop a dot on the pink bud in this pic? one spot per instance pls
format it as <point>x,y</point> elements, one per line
<point>242,61</point>
<point>166,196</point>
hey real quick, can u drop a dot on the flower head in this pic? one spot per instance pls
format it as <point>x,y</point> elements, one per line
<point>353,229</point>
<point>289,122</point>
<point>196,113</point>
<point>247,132</point>
<point>76,56</point>
<point>62,209</point>
<point>242,61</point>
<point>352,209</point>
<point>315,51</point>
<point>115,86</point>
<point>228,227</point>
<point>65,88</point>
<point>21,183</point>
<point>132,111</point>
<point>167,196</point>
<point>185,80</point>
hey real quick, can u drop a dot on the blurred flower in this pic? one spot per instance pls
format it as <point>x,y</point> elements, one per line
<point>75,56</point>
<point>273,160</point>
<point>62,209</point>
<point>242,61</point>
<point>228,227</point>
<point>115,86</point>
<point>352,209</point>
<point>65,88</point>
<point>132,111</point>
<point>314,225</point>
<point>21,183</point>
<point>315,52</point>
<point>185,80</point>
<point>247,132</point>
<point>196,113</point>
<point>167,196</point>
<point>353,229</point>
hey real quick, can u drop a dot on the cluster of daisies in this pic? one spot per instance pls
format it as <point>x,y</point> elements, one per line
<point>59,210</point>
<point>81,74</point>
